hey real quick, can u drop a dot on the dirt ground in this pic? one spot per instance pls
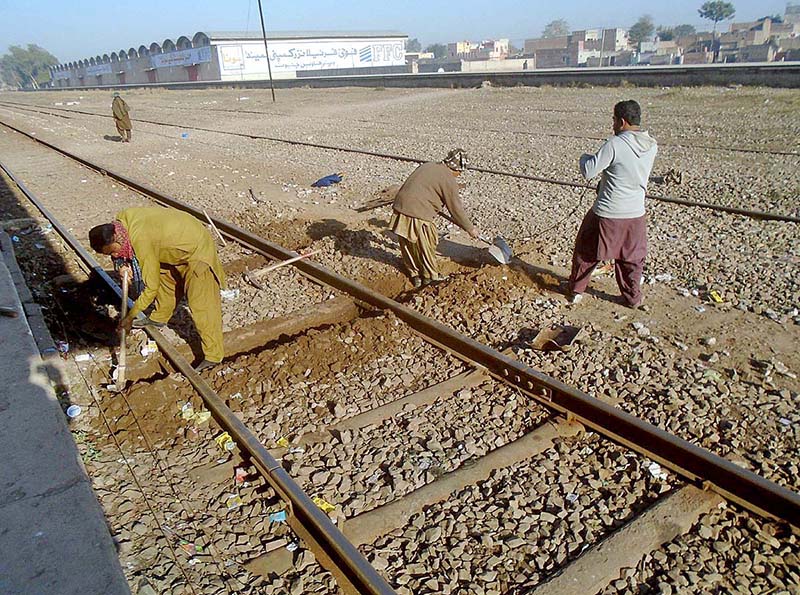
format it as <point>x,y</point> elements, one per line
<point>722,375</point>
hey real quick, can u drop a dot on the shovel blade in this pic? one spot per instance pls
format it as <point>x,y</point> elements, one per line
<point>501,251</point>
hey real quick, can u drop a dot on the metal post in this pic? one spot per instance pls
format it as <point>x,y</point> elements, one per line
<point>266,49</point>
<point>602,45</point>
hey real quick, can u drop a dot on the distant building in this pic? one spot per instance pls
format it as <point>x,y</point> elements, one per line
<point>758,41</point>
<point>491,49</point>
<point>587,47</point>
<point>792,14</point>
<point>414,56</point>
<point>460,49</point>
<point>545,43</point>
<point>234,56</point>
<point>764,52</point>
<point>485,50</point>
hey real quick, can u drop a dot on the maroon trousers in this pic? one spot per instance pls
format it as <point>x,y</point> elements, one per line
<point>622,240</point>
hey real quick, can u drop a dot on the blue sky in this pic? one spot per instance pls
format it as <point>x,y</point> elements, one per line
<point>73,30</point>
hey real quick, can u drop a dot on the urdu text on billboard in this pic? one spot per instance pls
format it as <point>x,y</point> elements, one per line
<point>291,56</point>
<point>182,57</point>
<point>98,69</point>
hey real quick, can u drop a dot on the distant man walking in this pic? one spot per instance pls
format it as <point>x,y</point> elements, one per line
<point>615,228</point>
<point>176,256</point>
<point>427,190</point>
<point>121,118</point>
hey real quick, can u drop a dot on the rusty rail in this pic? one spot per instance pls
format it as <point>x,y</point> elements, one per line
<point>353,573</point>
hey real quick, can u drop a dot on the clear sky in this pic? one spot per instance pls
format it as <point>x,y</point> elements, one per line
<point>72,30</point>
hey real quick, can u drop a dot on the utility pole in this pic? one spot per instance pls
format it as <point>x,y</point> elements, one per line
<point>602,45</point>
<point>266,49</point>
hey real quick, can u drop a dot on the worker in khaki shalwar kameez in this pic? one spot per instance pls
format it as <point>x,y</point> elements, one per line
<point>427,190</point>
<point>121,118</point>
<point>176,256</point>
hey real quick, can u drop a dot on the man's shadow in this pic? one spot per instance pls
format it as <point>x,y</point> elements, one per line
<point>549,280</point>
<point>112,138</point>
<point>361,243</point>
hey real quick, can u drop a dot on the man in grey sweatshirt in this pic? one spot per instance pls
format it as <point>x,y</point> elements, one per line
<point>615,228</point>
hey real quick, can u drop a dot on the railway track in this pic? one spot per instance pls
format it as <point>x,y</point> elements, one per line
<point>525,133</point>
<point>761,215</point>
<point>512,381</point>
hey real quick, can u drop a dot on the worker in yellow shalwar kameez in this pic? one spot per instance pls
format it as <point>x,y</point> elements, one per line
<point>176,256</point>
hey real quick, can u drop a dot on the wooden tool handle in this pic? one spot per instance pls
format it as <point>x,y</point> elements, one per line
<point>122,359</point>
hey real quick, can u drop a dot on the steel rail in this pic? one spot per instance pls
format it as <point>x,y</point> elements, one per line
<point>536,133</point>
<point>693,463</point>
<point>760,215</point>
<point>352,571</point>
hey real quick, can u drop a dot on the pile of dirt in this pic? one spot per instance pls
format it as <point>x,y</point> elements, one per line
<point>150,414</point>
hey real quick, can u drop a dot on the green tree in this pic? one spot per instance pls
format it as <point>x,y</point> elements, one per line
<point>557,28</point>
<point>413,45</point>
<point>26,67</point>
<point>683,30</point>
<point>666,33</point>
<point>716,10</point>
<point>439,50</point>
<point>642,30</point>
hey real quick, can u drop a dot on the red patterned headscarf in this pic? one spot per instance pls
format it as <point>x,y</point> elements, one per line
<point>126,251</point>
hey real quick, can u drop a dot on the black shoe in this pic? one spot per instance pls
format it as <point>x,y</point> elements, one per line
<point>143,321</point>
<point>205,365</point>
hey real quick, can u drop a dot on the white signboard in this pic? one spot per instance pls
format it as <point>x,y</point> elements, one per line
<point>230,57</point>
<point>98,69</point>
<point>182,57</point>
<point>291,56</point>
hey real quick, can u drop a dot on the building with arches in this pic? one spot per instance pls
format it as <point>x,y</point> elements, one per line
<point>238,56</point>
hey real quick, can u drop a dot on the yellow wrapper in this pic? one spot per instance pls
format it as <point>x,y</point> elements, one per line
<point>324,506</point>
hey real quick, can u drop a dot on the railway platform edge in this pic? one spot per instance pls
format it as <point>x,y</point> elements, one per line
<point>53,534</point>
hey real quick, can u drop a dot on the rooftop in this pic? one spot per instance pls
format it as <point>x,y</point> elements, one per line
<point>232,35</point>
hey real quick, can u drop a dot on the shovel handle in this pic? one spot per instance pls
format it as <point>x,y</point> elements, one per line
<point>122,357</point>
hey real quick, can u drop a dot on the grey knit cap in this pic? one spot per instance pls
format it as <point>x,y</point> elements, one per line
<point>456,160</point>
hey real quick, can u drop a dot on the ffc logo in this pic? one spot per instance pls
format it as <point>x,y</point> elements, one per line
<point>365,55</point>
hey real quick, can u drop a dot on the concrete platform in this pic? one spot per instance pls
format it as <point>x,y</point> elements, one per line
<point>53,534</point>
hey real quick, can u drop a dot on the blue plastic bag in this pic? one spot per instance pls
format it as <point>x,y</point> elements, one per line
<point>327,181</point>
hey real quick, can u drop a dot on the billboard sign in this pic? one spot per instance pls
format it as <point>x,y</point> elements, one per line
<point>182,57</point>
<point>98,69</point>
<point>288,56</point>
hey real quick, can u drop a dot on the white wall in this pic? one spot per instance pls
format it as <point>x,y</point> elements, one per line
<point>495,65</point>
<point>243,60</point>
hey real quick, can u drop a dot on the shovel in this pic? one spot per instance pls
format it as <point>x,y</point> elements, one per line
<point>253,277</point>
<point>119,384</point>
<point>498,248</point>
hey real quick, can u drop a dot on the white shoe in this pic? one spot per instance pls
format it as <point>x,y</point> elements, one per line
<point>575,298</point>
